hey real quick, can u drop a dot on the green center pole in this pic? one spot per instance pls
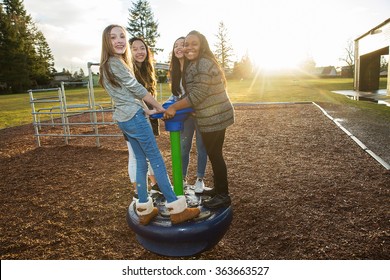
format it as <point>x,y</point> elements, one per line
<point>176,163</point>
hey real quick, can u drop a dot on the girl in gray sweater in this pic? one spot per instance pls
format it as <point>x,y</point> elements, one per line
<point>205,84</point>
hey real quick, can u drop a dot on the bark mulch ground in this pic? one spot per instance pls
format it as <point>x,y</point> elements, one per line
<point>301,189</point>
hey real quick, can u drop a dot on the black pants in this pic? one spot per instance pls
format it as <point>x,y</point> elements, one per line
<point>213,142</point>
<point>155,126</point>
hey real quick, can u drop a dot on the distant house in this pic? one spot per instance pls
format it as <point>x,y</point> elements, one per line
<point>95,79</point>
<point>62,77</point>
<point>328,71</point>
<point>347,71</point>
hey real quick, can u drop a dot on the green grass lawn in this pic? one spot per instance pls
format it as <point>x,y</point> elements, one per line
<point>16,108</point>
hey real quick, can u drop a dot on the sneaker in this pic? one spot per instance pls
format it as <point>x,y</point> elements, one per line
<point>199,185</point>
<point>155,189</point>
<point>218,201</point>
<point>208,192</point>
<point>187,187</point>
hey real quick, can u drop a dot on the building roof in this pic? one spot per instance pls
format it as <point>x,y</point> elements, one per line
<point>325,71</point>
<point>372,31</point>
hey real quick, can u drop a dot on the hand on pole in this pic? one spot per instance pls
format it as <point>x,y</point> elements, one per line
<point>169,113</point>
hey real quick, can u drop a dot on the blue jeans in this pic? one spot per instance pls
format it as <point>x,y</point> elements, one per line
<point>142,140</point>
<point>186,136</point>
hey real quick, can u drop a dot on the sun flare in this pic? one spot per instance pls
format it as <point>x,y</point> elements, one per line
<point>271,59</point>
<point>279,36</point>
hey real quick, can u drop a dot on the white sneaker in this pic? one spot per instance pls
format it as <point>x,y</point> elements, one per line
<point>185,185</point>
<point>199,185</point>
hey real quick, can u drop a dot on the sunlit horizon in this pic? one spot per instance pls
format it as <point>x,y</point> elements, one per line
<point>274,34</point>
<point>282,35</point>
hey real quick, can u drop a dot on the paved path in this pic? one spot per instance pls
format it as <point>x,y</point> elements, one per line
<point>371,129</point>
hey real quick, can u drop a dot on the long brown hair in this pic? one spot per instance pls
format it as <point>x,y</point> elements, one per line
<point>107,52</point>
<point>175,71</point>
<point>145,74</point>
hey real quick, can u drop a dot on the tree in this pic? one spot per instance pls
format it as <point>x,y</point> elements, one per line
<point>307,65</point>
<point>349,57</point>
<point>44,61</point>
<point>142,24</point>
<point>14,53</point>
<point>78,75</point>
<point>224,50</point>
<point>244,68</point>
<point>4,27</point>
<point>384,63</point>
<point>25,56</point>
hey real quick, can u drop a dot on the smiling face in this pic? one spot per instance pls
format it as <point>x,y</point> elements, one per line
<point>138,51</point>
<point>178,48</point>
<point>192,47</point>
<point>118,40</point>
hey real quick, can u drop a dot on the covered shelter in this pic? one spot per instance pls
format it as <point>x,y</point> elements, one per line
<point>369,48</point>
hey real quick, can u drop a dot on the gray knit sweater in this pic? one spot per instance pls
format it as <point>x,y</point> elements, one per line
<point>207,95</point>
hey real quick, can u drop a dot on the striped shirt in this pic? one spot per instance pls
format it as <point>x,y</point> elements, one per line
<point>207,95</point>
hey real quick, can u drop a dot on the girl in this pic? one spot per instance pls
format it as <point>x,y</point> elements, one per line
<point>189,125</point>
<point>117,79</point>
<point>144,73</point>
<point>205,85</point>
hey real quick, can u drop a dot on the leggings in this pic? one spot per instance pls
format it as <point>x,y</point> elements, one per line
<point>213,142</point>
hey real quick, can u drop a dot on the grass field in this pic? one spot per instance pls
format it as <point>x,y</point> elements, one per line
<point>16,108</point>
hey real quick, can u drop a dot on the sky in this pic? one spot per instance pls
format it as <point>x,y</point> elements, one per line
<point>274,33</point>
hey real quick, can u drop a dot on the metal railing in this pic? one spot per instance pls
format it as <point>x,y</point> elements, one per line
<point>59,114</point>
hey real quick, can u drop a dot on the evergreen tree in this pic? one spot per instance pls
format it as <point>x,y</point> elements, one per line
<point>4,27</point>
<point>25,57</point>
<point>14,59</point>
<point>81,73</point>
<point>142,24</point>
<point>43,62</point>
<point>78,75</point>
<point>224,50</point>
